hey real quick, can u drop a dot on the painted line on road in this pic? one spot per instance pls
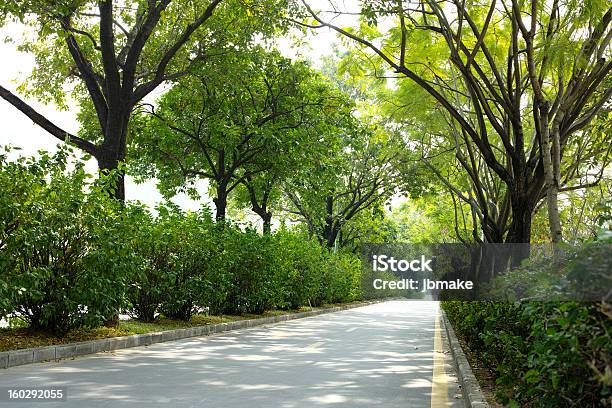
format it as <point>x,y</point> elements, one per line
<point>439,382</point>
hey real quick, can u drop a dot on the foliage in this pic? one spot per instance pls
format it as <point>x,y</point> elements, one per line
<point>301,268</point>
<point>341,278</point>
<point>62,260</point>
<point>71,256</point>
<point>486,94</point>
<point>191,264</point>
<point>373,225</point>
<point>109,55</point>
<point>243,121</point>
<point>248,261</point>
<point>546,353</point>
<point>175,276</point>
<point>357,173</point>
<point>284,270</point>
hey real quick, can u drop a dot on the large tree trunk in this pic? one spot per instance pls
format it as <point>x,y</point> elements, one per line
<point>112,152</point>
<point>267,223</point>
<point>332,235</point>
<point>520,225</point>
<point>221,202</point>
<point>331,228</point>
<point>520,228</point>
<point>329,234</point>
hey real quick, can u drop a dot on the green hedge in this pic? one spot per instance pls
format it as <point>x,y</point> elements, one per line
<point>189,263</point>
<point>71,257</point>
<point>545,353</point>
<point>62,260</point>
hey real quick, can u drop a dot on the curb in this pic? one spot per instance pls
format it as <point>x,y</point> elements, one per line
<point>472,394</point>
<point>62,351</point>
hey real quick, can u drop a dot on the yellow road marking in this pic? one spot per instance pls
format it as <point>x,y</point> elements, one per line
<point>439,383</point>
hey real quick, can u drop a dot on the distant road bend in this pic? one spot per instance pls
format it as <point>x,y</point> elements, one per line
<point>385,355</point>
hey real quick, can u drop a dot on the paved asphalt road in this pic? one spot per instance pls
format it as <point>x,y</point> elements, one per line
<point>375,356</point>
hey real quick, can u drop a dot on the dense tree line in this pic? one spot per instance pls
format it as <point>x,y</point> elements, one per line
<point>506,117</point>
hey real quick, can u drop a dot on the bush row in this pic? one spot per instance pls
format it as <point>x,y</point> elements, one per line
<point>187,262</point>
<point>545,353</point>
<point>72,257</point>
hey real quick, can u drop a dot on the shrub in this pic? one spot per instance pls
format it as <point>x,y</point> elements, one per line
<point>547,353</point>
<point>71,256</point>
<point>344,278</point>
<point>188,263</point>
<point>249,260</point>
<point>152,246</point>
<point>192,283</point>
<point>176,276</point>
<point>61,248</point>
<point>301,269</point>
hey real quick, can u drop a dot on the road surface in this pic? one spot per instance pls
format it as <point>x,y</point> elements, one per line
<point>379,356</point>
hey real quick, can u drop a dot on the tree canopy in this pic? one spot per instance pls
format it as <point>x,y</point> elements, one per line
<point>500,108</point>
<point>516,84</point>
<point>114,54</point>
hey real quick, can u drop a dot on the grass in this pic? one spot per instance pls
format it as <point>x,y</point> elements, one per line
<point>20,338</point>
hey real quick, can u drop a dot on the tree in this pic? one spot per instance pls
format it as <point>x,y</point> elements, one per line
<point>371,226</point>
<point>229,122</point>
<point>501,77</point>
<point>117,53</point>
<point>296,150</point>
<point>357,171</point>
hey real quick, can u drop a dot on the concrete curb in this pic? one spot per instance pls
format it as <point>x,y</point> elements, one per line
<point>61,351</point>
<point>472,394</point>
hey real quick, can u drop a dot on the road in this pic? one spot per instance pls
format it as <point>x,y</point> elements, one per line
<point>380,356</point>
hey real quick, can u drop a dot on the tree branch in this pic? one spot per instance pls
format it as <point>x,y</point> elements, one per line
<point>46,124</point>
<point>144,89</point>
